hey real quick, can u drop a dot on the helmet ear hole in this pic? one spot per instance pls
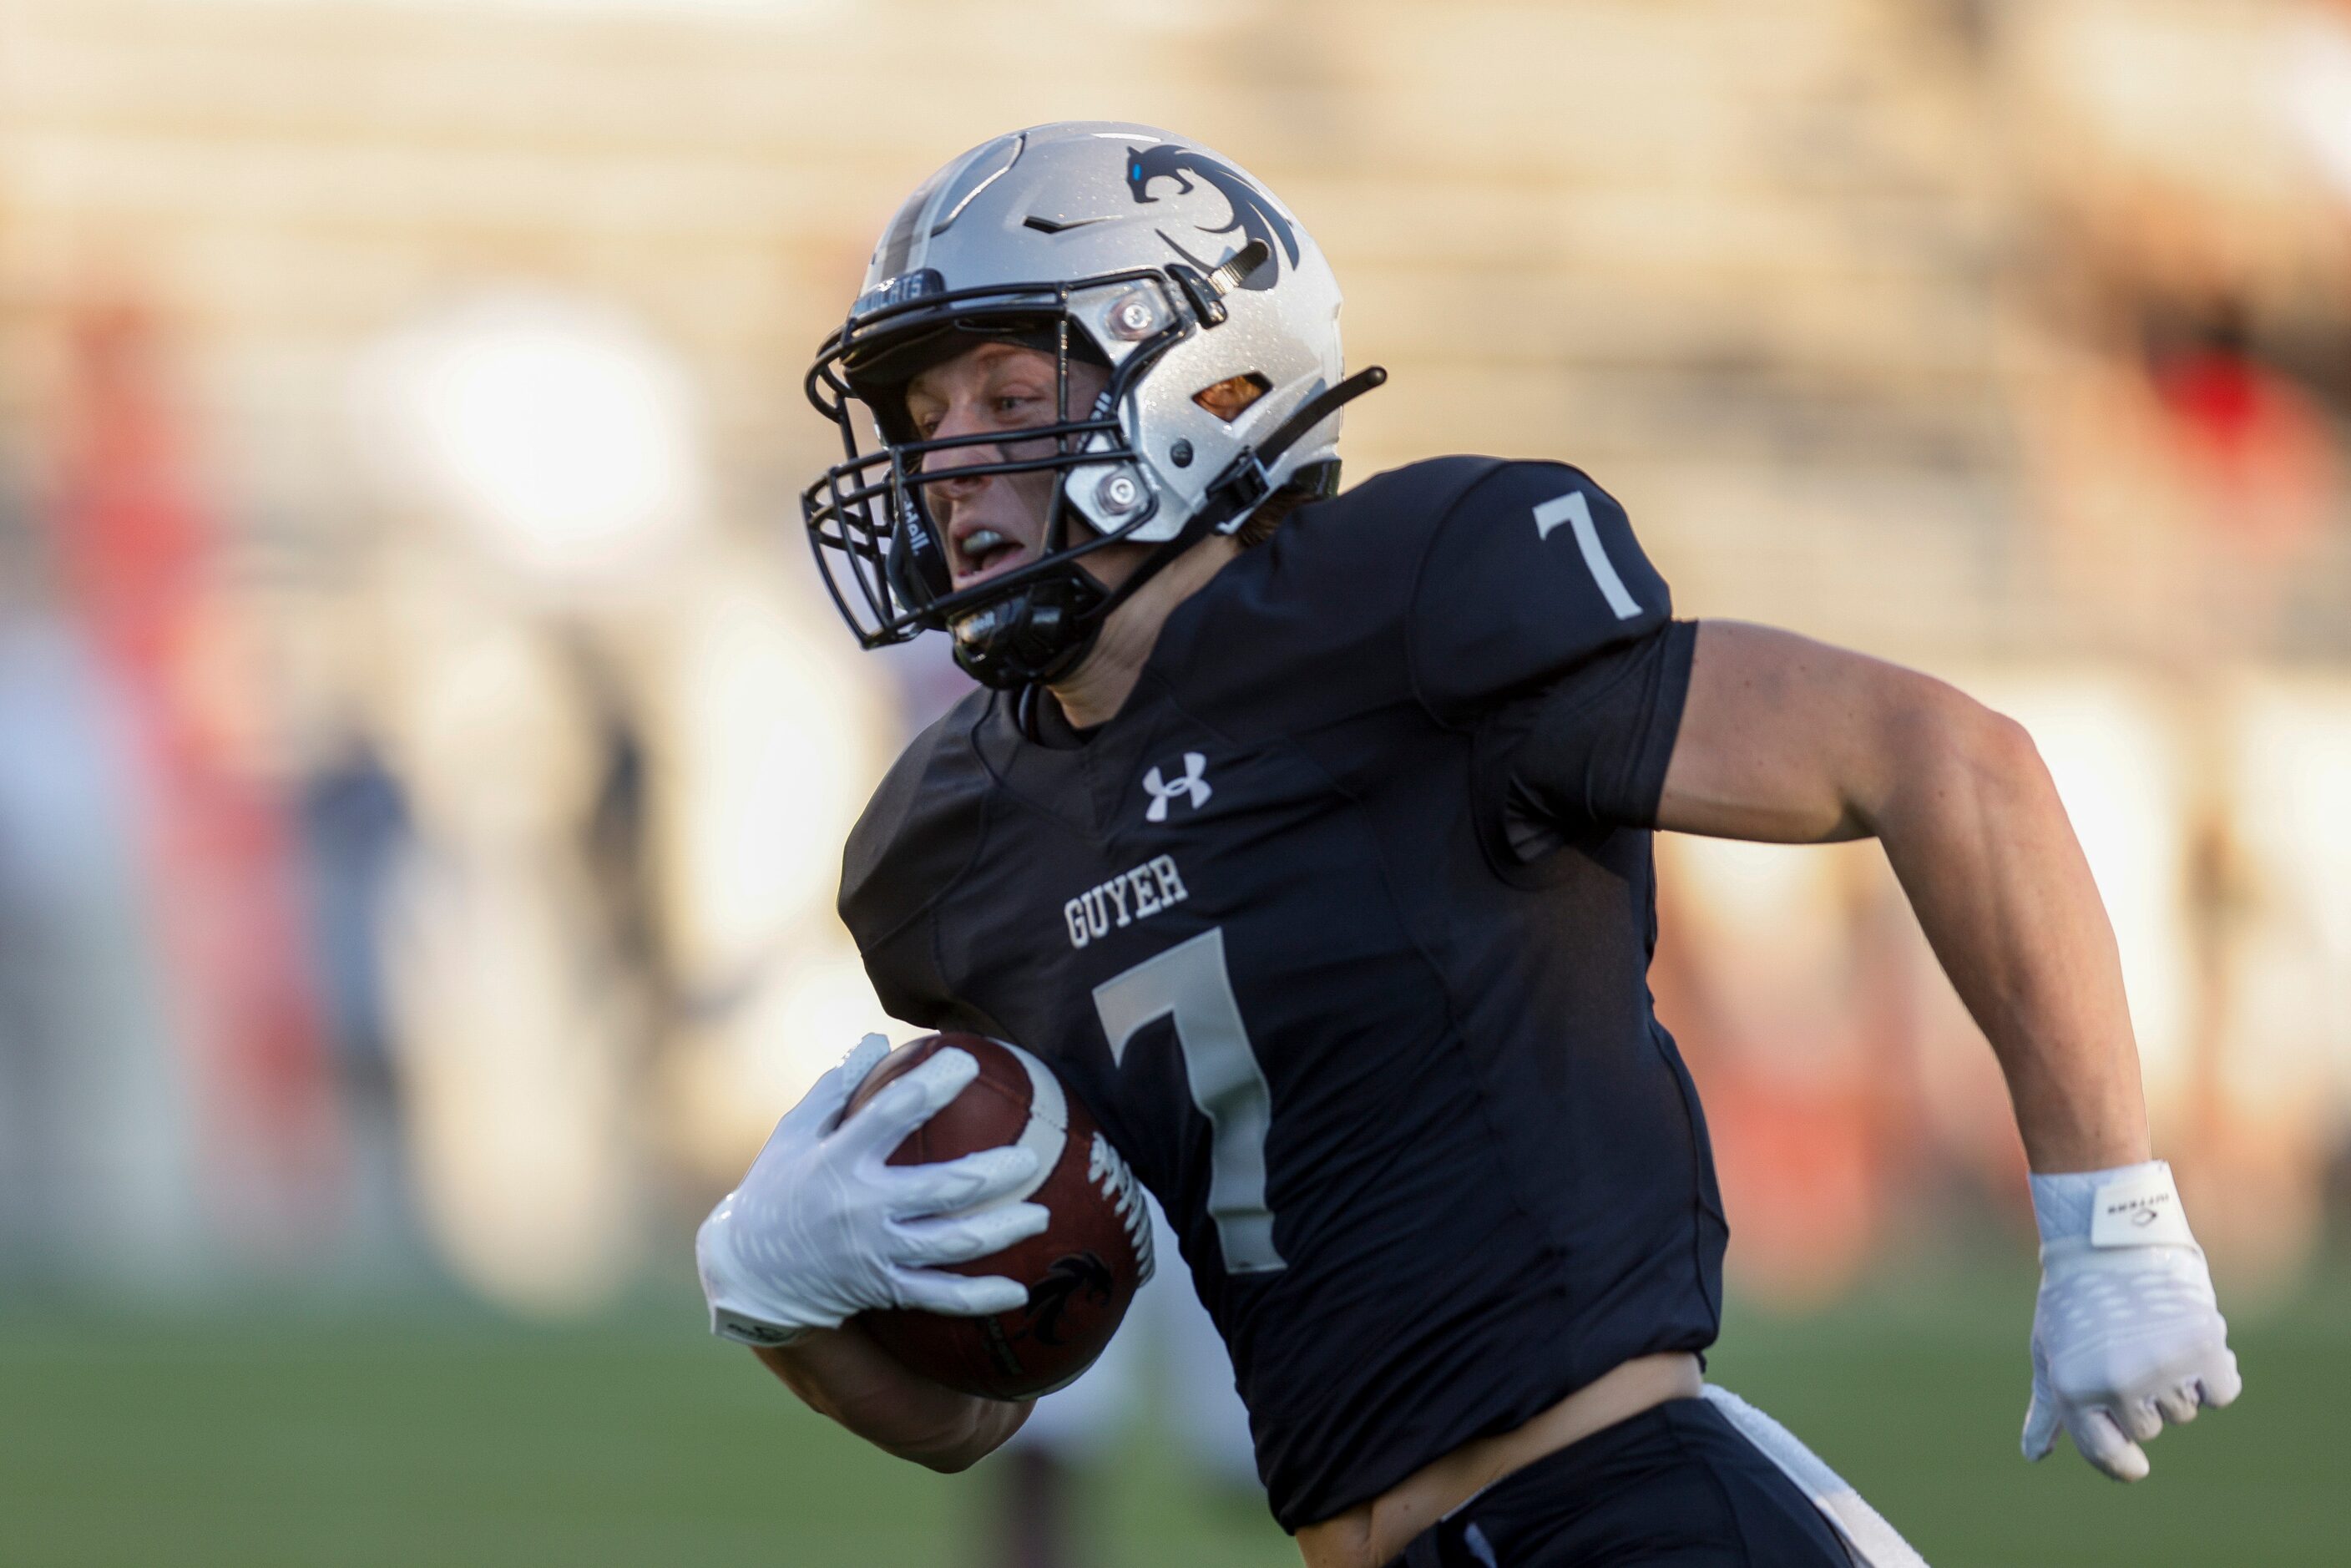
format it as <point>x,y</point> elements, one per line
<point>1230,398</point>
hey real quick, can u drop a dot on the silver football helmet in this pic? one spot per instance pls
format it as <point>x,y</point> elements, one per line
<point>1121,245</point>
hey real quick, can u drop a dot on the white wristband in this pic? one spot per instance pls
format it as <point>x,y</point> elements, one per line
<point>2129,1206</point>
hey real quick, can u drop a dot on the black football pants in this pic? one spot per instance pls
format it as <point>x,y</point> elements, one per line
<point>1677,1484</point>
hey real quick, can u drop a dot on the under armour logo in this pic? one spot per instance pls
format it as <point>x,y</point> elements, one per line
<point>1193,787</point>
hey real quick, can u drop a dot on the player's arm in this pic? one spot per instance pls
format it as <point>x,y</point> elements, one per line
<point>822,1227</point>
<point>1784,740</point>
<point>1536,620</point>
<point>1792,741</point>
<point>843,1374</point>
<point>1536,584</point>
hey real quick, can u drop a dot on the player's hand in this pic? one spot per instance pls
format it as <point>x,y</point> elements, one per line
<point>822,1227</point>
<point>2125,1334</point>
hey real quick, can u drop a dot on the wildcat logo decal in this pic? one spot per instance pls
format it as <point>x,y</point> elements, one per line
<point>1252,214</point>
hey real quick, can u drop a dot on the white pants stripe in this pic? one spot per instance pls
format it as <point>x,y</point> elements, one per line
<point>1873,1542</point>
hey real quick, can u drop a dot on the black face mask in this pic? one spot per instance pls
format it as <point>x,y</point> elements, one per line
<point>884,557</point>
<point>1035,630</point>
<point>884,560</point>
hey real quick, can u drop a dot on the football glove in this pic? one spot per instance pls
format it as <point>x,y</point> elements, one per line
<point>823,1227</point>
<point>2125,1334</point>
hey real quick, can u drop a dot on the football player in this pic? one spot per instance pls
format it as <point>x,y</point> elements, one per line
<point>1307,836</point>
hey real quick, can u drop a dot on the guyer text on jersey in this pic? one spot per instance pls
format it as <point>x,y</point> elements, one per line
<point>1124,899</point>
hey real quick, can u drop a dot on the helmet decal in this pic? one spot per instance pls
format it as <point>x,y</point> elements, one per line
<point>1252,213</point>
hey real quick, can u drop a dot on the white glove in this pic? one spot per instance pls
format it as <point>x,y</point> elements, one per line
<point>822,1227</point>
<point>2125,1334</point>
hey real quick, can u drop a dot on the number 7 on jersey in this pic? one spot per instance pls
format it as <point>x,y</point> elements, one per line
<point>1189,985</point>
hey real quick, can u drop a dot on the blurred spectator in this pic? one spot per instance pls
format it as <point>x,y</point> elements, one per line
<point>96,1156</point>
<point>142,565</point>
<point>2251,450</point>
<point>355,830</point>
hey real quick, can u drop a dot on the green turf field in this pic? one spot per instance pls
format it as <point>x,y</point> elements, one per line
<point>441,1435</point>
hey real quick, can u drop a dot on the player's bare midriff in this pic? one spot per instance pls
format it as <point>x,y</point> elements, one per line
<point>1370,1534</point>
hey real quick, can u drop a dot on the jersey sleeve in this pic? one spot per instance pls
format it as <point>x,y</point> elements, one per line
<point>1533,572</point>
<point>908,849</point>
<point>1591,750</point>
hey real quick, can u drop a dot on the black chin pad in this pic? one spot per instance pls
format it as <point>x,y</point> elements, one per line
<point>1033,634</point>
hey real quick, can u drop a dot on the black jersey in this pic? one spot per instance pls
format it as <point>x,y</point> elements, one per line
<point>1432,1160</point>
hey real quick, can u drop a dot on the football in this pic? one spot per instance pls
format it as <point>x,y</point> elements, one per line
<point>1081,1271</point>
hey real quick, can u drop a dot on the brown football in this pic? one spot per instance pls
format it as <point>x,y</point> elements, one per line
<point>1081,1271</point>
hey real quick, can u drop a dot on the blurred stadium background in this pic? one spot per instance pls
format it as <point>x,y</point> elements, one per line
<point>425,750</point>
